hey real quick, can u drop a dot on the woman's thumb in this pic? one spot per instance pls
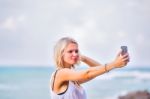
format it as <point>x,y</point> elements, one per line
<point>118,54</point>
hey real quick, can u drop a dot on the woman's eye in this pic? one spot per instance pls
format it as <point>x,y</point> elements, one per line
<point>70,51</point>
<point>76,51</point>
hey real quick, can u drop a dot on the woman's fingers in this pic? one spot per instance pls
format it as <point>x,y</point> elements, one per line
<point>124,59</point>
<point>125,55</point>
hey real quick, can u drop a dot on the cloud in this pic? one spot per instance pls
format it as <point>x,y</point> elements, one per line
<point>9,24</point>
<point>12,23</point>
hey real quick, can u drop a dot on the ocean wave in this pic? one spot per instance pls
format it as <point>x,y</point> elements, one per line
<point>125,75</point>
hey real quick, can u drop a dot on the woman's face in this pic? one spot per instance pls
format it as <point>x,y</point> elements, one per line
<point>71,55</point>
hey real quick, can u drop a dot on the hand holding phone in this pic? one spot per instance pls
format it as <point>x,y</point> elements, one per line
<point>124,50</point>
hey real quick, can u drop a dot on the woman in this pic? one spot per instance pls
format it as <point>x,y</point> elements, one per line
<point>66,81</point>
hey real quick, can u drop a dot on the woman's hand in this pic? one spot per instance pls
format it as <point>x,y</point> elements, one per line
<point>82,58</point>
<point>121,60</point>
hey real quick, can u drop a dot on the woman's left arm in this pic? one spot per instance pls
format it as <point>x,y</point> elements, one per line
<point>90,62</point>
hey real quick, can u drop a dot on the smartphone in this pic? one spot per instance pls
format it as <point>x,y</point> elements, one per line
<point>124,50</point>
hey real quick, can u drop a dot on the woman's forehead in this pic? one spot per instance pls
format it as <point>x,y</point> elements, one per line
<point>72,46</point>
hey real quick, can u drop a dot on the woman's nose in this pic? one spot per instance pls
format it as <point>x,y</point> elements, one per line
<point>75,53</point>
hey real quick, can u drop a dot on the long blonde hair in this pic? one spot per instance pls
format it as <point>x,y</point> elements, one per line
<point>59,49</point>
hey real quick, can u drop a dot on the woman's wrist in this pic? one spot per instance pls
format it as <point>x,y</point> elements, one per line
<point>106,68</point>
<point>109,66</point>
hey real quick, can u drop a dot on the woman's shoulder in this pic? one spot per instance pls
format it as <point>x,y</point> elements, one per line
<point>65,70</point>
<point>61,72</point>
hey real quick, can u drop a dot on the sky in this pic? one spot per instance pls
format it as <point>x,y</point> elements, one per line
<point>29,29</point>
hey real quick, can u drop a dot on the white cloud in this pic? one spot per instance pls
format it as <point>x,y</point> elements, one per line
<point>12,23</point>
<point>9,24</point>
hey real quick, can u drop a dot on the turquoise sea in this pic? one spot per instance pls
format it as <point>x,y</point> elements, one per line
<point>33,82</point>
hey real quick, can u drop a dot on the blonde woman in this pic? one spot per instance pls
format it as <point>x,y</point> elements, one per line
<point>66,81</point>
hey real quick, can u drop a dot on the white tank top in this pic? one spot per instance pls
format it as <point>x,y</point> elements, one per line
<point>73,92</point>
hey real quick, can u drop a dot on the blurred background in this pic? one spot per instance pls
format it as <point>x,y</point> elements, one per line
<point>30,28</point>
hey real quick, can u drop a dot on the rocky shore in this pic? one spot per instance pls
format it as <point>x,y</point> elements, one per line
<point>136,95</point>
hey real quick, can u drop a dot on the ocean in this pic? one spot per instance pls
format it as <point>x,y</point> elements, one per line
<point>33,82</point>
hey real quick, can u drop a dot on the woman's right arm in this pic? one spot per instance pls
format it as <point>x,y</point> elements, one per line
<point>92,72</point>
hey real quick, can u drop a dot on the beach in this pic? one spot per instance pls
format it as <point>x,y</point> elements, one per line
<point>33,82</point>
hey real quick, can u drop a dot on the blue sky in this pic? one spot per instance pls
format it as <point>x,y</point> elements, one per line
<point>30,28</point>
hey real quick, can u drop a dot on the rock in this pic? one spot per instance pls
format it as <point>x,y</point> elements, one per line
<point>136,95</point>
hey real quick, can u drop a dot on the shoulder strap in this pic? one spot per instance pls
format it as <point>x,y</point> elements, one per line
<point>54,79</point>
